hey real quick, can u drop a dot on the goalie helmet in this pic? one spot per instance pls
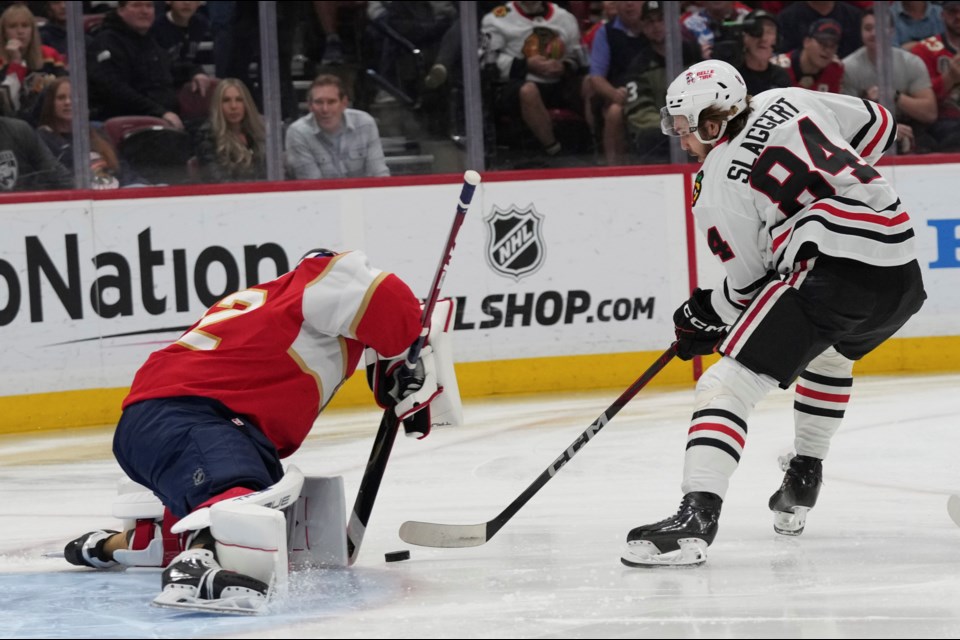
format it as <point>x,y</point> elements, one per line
<point>712,83</point>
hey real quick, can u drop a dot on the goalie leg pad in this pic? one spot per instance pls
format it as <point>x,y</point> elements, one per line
<point>318,526</point>
<point>251,540</point>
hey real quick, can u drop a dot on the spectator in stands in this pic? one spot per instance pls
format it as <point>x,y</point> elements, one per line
<point>941,54</point>
<point>536,49</point>
<point>816,66</point>
<point>333,141</point>
<point>231,147</point>
<point>54,31</point>
<point>608,15</point>
<point>915,104</point>
<point>130,73</point>
<point>328,14</point>
<point>797,18</point>
<point>647,88</point>
<point>28,65</point>
<point>915,21</point>
<point>759,41</point>
<point>56,131</point>
<point>25,163</point>
<point>179,31</point>
<point>703,22</point>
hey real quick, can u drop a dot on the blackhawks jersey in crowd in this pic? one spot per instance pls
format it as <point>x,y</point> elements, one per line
<point>298,337</point>
<point>827,79</point>
<point>798,181</point>
<point>511,35</point>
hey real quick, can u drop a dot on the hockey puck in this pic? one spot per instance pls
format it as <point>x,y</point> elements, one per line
<point>397,556</point>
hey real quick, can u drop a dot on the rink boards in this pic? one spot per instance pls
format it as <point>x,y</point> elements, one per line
<point>564,280</point>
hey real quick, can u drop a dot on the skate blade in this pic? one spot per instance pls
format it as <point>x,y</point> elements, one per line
<point>242,605</point>
<point>790,523</point>
<point>645,554</point>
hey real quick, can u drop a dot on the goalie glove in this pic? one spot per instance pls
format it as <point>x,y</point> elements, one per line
<point>407,392</point>
<point>698,327</point>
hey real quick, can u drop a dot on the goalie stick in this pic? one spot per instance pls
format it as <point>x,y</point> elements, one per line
<point>428,534</point>
<point>387,433</point>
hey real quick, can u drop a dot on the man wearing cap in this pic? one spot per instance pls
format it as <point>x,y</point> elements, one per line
<point>815,66</point>
<point>759,40</point>
<point>941,54</point>
<point>796,18</point>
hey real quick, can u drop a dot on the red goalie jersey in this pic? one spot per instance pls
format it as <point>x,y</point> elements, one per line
<point>302,333</point>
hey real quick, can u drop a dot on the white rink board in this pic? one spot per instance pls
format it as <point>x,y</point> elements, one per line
<point>613,264</point>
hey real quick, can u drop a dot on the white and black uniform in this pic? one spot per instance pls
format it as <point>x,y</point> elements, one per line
<point>820,268</point>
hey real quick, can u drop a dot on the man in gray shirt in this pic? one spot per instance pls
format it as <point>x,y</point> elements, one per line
<point>333,141</point>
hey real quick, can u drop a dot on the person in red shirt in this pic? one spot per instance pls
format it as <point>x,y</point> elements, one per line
<point>209,417</point>
<point>816,66</point>
<point>941,54</point>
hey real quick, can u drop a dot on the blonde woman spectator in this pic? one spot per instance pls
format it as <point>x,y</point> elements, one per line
<point>27,64</point>
<point>232,141</point>
<point>56,131</point>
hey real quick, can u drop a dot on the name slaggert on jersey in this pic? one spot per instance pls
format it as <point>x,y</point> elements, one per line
<point>756,138</point>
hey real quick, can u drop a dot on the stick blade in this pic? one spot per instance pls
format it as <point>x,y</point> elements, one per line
<point>953,508</point>
<point>447,536</point>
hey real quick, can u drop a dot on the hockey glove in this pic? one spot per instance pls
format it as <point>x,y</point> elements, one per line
<point>698,327</point>
<point>407,392</point>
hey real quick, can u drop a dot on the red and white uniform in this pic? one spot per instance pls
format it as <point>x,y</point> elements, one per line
<point>828,79</point>
<point>302,333</point>
<point>510,34</point>
<point>936,53</point>
<point>798,176</point>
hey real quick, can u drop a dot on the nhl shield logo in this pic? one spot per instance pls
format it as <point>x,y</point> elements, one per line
<point>515,244</point>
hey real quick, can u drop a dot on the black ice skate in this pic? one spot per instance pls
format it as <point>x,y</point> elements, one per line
<point>87,550</point>
<point>797,495</point>
<point>680,540</point>
<point>195,581</point>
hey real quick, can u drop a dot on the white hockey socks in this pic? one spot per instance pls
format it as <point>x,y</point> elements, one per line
<point>820,401</point>
<point>725,397</point>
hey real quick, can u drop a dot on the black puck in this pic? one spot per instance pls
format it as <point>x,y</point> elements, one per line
<point>397,556</point>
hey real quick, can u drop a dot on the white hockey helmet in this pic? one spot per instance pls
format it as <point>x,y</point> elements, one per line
<point>711,83</point>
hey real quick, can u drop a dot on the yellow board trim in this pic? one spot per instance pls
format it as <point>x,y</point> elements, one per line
<point>97,407</point>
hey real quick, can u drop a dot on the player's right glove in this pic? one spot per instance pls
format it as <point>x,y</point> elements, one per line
<point>407,392</point>
<point>698,327</point>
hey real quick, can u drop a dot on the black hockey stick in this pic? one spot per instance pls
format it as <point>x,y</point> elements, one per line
<point>387,433</point>
<point>427,534</point>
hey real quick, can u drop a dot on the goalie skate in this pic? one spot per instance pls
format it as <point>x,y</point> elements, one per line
<point>680,540</point>
<point>196,582</point>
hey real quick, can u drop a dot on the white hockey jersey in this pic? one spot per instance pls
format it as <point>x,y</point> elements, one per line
<point>799,181</point>
<point>510,34</point>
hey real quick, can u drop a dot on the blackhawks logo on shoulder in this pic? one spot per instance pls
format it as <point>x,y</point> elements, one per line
<point>697,186</point>
<point>515,245</point>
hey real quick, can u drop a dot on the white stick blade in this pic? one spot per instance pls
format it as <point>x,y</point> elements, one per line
<point>449,536</point>
<point>953,508</point>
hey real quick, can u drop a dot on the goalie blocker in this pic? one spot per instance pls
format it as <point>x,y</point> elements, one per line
<point>432,398</point>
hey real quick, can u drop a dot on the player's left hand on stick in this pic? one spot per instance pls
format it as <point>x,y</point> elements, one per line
<point>698,327</point>
<point>408,392</point>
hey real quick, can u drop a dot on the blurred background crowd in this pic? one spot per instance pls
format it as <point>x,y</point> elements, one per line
<point>124,94</point>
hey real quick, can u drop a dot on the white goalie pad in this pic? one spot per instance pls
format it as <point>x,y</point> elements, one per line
<point>142,512</point>
<point>446,410</point>
<point>317,526</point>
<point>252,540</point>
<point>277,496</point>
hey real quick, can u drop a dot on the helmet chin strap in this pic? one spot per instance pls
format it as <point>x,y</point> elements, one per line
<point>723,127</point>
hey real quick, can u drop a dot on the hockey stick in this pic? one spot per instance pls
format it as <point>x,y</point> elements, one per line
<point>427,534</point>
<point>387,433</point>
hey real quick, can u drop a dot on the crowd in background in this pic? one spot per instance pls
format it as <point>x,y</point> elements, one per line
<point>175,90</point>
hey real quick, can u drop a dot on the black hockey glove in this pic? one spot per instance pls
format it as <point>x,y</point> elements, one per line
<point>698,327</point>
<point>407,392</point>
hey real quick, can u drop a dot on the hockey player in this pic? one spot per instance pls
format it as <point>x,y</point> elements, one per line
<point>819,258</point>
<point>209,417</point>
